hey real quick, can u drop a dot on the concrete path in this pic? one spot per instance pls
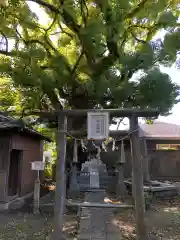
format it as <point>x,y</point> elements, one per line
<point>97,223</point>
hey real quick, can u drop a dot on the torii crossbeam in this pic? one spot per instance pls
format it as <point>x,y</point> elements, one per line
<point>138,192</point>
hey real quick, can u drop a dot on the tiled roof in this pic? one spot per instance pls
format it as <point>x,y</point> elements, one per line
<point>7,123</point>
<point>4,125</point>
<point>160,130</point>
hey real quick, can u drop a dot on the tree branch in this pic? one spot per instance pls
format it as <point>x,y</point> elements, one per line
<point>68,19</point>
<point>48,41</point>
<point>137,39</point>
<point>46,5</point>
<point>110,41</point>
<point>9,54</point>
<point>63,31</point>
<point>51,25</point>
<point>77,63</point>
<point>139,26</point>
<point>137,9</point>
<point>151,32</point>
<point>52,96</point>
<point>55,33</point>
<point>128,73</point>
<point>84,15</point>
<point>31,41</point>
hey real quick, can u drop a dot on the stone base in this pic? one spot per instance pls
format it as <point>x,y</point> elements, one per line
<point>91,175</point>
<point>15,203</point>
<point>159,189</point>
<point>73,193</point>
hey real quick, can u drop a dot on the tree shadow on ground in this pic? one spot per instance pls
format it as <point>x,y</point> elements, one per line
<point>26,226</point>
<point>162,220</point>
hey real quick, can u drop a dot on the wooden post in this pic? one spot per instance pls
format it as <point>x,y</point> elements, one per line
<point>146,175</point>
<point>138,192</point>
<point>60,179</point>
<point>36,195</point>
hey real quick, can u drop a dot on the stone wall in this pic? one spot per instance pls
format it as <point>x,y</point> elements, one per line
<point>163,164</point>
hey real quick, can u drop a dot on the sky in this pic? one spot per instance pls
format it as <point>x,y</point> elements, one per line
<point>174,73</point>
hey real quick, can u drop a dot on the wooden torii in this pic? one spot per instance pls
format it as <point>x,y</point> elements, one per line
<point>137,172</point>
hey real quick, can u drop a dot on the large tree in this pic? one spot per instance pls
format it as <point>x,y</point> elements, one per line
<point>9,96</point>
<point>87,54</point>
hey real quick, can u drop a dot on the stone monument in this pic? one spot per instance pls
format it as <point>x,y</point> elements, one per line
<point>93,169</point>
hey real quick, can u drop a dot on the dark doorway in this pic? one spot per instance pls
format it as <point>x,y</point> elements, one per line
<point>14,172</point>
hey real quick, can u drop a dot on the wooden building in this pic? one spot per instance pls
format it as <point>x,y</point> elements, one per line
<point>160,144</point>
<point>19,146</point>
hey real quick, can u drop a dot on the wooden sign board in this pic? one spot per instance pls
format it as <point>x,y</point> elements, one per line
<point>37,166</point>
<point>98,125</point>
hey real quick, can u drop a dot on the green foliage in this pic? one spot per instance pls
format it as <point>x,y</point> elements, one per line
<point>156,82</point>
<point>149,121</point>
<point>9,96</point>
<point>50,133</point>
<point>172,49</point>
<point>88,52</point>
<point>48,170</point>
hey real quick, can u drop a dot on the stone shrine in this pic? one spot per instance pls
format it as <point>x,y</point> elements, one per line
<point>91,173</point>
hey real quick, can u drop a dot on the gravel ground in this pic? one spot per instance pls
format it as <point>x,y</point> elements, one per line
<point>23,225</point>
<point>162,220</point>
<point>26,226</point>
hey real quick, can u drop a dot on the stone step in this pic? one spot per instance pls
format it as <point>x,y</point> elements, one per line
<point>100,205</point>
<point>88,182</point>
<point>83,179</point>
<point>100,177</point>
<point>95,222</point>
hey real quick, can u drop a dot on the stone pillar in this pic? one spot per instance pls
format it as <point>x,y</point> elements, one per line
<point>94,177</point>
<point>121,192</point>
<point>74,188</point>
